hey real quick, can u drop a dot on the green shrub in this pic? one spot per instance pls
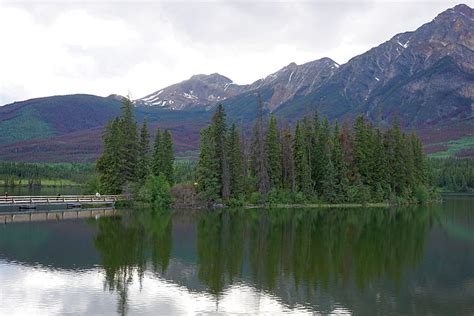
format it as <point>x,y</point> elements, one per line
<point>299,198</point>
<point>235,202</point>
<point>257,198</point>
<point>421,194</point>
<point>156,191</point>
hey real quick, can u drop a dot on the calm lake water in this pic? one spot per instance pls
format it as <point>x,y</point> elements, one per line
<point>411,261</point>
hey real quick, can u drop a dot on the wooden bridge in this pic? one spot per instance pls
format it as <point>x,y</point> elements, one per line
<point>60,199</point>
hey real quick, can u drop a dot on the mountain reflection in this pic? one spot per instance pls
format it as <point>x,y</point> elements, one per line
<point>290,253</point>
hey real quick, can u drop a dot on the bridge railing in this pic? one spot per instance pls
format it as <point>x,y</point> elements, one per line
<point>61,199</point>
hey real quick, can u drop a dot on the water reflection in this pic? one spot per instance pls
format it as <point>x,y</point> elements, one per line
<point>362,261</point>
<point>292,254</point>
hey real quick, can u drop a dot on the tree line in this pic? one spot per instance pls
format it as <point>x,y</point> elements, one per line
<point>33,174</point>
<point>128,161</point>
<point>314,162</point>
<point>453,174</point>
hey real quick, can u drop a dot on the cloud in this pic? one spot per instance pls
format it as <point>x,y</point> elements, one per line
<point>103,47</point>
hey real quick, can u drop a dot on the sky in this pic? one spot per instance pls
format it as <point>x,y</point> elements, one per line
<point>137,47</point>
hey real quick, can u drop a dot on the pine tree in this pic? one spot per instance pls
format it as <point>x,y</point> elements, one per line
<point>308,136</point>
<point>235,163</point>
<point>420,163</point>
<point>110,162</point>
<point>259,152</point>
<point>207,175</point>
<point>156,159</point>
<point>380,169</point>
<point>322,152</point>
<point>316,168</point>
<point>329,187</point>
<point>302,169</point>
<point>361,149</point>
<point>394,147</point>
<point>273,155</point>
<point>143,164</point>
<point>287,160</point>
<point>220,133</point>
<point>129,142</point>
<point>340,169</point>
<point>167,157</point>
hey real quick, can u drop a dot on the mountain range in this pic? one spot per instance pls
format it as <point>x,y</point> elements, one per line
<point>425,77</point>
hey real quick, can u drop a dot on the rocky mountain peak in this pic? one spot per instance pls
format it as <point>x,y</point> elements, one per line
<point>198,91</point>
<point>462,11</point>
<point>214,78</point>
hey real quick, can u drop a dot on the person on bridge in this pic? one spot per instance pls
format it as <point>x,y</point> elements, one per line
<point>97,194</point>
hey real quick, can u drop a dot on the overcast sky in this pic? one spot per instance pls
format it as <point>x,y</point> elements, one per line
<point>137,47</point>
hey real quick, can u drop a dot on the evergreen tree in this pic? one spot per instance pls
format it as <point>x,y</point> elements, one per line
<point>129,142</point>
<point>109,165</point>
<point>235,163</point>
<point>380,169</point>
<point>274,155</point>
<point>308,135</point>
<point>143,164</point>
<point>419,160</point>
<point>394,147</point>
<point>167,157</point>
<point>329,187</point>
<point>287,160</point>
<point>259,152</point>
<point>322,152</point>
<point>316,167</point>
<point>207,170</point>
<point>220,132</point>
<point>302,169</point>
<point>361,149</point>
<point>339,168</point>
<point>156,159</point>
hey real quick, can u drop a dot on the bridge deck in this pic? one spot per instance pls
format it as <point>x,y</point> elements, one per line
<point>61,199</point>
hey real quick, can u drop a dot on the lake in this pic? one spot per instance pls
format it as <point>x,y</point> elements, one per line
<point>407,261</point>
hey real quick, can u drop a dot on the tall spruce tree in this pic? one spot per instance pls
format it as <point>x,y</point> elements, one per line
<point>274,155</point>
<point>380,169</point>
<point>316,168</point>
<point>156,159</point>
<point>236,167</point>
<point>143,164</point>
<point>287,160</point>
<point>341,182</point>
<point>322,152</point>
<point>167,157</point>
<point>129,142</point>
<point>302,169</point>
<point>259,152</point>
<point>207,170</point>
<point>220,133</point>
<point>109,165</point>
<point>420,163</point>
<point>308,135</point>
<point>394,147</point>
<point>361,149</point>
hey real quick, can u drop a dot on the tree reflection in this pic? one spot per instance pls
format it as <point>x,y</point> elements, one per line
<point>291,252</point>
<point>220,241</point>
<point>310,248</point>
<point>124,244</point>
